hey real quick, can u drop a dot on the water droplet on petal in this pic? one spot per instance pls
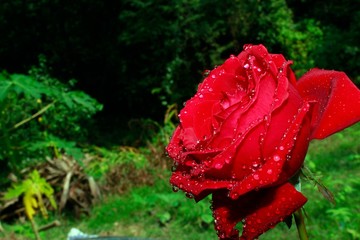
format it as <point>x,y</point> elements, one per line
<point>256,176</point>
<point>246,66</point>
<point>269,171</point>
<point>218,166</point>
<point>276,158</point>
<point>277,211</point>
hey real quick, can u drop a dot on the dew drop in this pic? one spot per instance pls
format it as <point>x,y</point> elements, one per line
<point>213,76</point>
<point>256,176</point>
<point>206,73</point>
<point>276,158</point>
<point>218,166</point>
<point>246,66</point>
<point>189,195</point>
<point>247,46</point>
<point>234,195</point>
<point>277,211</point>
<point>269,171</point>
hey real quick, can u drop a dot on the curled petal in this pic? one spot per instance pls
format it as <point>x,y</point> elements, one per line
<point>336,101</point>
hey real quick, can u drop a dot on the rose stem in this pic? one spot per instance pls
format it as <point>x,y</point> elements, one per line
<point>300,224</point>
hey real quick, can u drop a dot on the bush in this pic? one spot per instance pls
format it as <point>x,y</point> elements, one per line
<point>39,116</point>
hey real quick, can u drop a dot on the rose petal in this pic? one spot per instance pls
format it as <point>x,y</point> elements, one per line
<point>336,101</point>
<point>199,188</point>
<point>258,216</point>
<point>269,173</point>
<point>174,148</point>
<point>278,203</point>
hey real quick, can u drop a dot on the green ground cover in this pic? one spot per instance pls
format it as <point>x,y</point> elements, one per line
<point>157,212</point>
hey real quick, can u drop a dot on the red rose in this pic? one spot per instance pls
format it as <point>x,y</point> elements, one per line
<point>246,131</point>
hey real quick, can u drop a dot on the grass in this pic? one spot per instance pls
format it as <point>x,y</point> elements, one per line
<point>158,213</point>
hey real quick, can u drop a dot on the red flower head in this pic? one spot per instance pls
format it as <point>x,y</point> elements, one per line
<point>246,131</point>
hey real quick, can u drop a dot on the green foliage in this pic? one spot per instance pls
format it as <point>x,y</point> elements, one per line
<point>33,188</point>
<point>161,209</point>
<point>336,161</point>
<point>144,55</point>
<point>38,117</point>
<point>25,230</point>
<point>338,48</point>
<point>108,159</point>
<point>157,212</point>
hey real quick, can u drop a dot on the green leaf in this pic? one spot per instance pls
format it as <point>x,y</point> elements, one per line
<point>164,217</point>
<point>32,188</point>
<point>207,218</point>
<point>27,85</point>
<point>14,192</point>
<point>4,87</point>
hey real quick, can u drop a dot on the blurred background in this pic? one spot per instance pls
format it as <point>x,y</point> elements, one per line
<point>89,95</point>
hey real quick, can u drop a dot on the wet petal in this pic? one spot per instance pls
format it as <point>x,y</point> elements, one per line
<point>336,101</point>
<point>269,173</point>
<point>258,216</point>
<point>284,200</point>
<point>199,188</point>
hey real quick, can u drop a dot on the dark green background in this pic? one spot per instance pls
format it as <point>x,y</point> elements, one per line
<point>136,57</point>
